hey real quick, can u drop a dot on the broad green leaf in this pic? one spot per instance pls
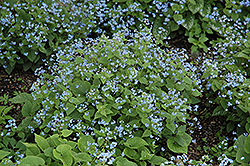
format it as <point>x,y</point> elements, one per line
<point>85,157</point>
<point>135,142</point>
<point>157,160</point>
<point>41,142</point>
<point>218,111</point>
<point>79,60</point>
<point>192,2</point>
<point>197,7</point>
<point>146,133</point>
<point>80,87</point>
<point>131,153</point>
<point>189,21</point>
<point>146,155</point>
<point>173,26</point>
<point>183,139</point>
<point>196,93</point>
<point>21,98</point>
<point>125,162</point>
<point>27,109</point>
<point>66,133</point>
<point>31,149</point>
<point>247,144</point>
<point>203,38</point>
<point>187,80</point>
<point>63,153</point>
<point>206,9</point>
<point>143,80</point>
<point>171,127</point>
<point>175,147</point>
<point>3,154</point>
<point>70,108</point>
<point>32,161</point>
<point>241,155</point>
<point>103,60</point>
<point>85,144</point>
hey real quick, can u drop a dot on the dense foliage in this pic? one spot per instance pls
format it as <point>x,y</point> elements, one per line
<point>111,92</point>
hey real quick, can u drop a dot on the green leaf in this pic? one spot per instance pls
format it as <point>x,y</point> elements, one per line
<point>31,149</point>
<point>32,161</point>
<point>80,87</point>
<point>218,111</point>
<point>85,144</point>
<point>196,93</point>
<point>27,109</point>
<point>125,162</point>
<point>41,142</point>
<point>175,147</point>
<point>85,157</point>
<point>3,154</point>
<point>171,127</point>
<point>192,2</point>
<point>103,60</point>
<point>21,98</point>
<point>194,8</point>
<point>135,142</point>
<point>247,144</point>
<point>187,80</point>
<point>70,108</point>
<point>206,9</point>
<point>63,153</point>
<point>131,153</point>
<point>157,160</point>
<point>203,38</point>
<point>66,133</point>
<point>189,21</point>
<point>183,139</point>
<point>146,133</point>
<point>143,80</point>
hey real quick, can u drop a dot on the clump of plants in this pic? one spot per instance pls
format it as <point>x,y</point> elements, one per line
<point>117,98</point>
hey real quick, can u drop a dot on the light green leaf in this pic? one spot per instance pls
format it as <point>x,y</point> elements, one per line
<point>41,142</point>
<point>32,161</point>
<point>63,153</point>
<point>85,144</point>
<point>66,133</point>
<point>3,154</point>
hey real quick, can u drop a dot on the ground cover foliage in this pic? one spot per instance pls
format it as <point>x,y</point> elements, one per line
<point>111,91</point>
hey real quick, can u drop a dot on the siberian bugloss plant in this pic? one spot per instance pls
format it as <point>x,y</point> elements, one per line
<point>32,30</point>
<point>119,99</point>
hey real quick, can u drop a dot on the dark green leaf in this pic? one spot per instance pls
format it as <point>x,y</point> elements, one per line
<point>135,142</point>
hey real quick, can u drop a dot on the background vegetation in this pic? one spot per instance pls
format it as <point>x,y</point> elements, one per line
<point>111,90</point>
